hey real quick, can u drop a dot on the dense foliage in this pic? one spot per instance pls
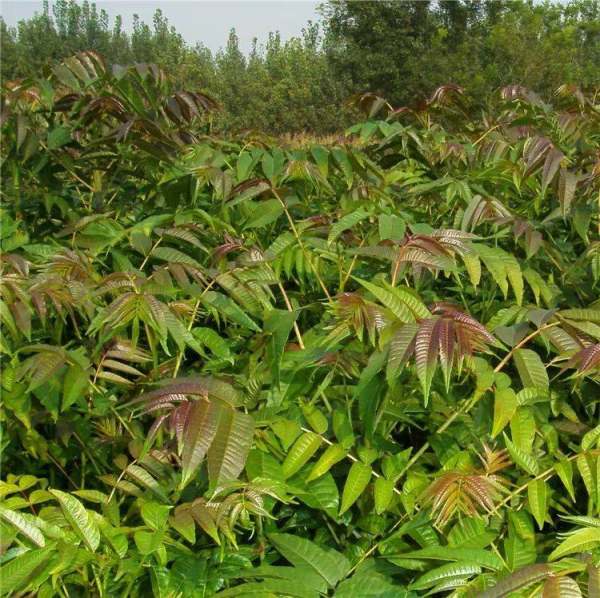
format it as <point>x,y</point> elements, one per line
<point>406,49</point>
<point>400,50</point>
<point>368,368</point>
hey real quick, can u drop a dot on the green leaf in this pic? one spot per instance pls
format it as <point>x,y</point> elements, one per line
<point>300,453</point>
<point>279,245</point>
<point>321,157</point>
<point>539,286</point>
<point>564,470</point>
<point>590,315</point>
<point>269,588</point>
<point>145,479</point>
<point>332,455</point>
<point>260,464</point>
<point>582,520</point>
<point>505,406</point>
<point>585,466</point>
<point>483,558</point>
<point>75,384</point>
<point>76,514</point>
<point>344,223</point>
<point>58,137</point>
<point>531,369</point>
<point>265,213</point>
<point>183,522</point>
<point>228,308</point>
<point>211,339</point>
<point>279,324</point>
<point>341,157</point>
<point>383,492</point>
<point>315,418</point>
<point>19,571</point>
<point>370,581</point>
<point>308,580</point>
<point>503,267</point>
<point>450,571</point>
<point>23,525</point>
<point>287,431</point>
<point>521,458</point>
<point>591,439</point>
<point>411,300</point>
<point>390,299</point>
<point>328,563</point>
<point>537,494</point>
<point>155,515</point>
<point>530,396</point>
<point>148,542</point>
<point>391,227</point>
<point>180,334</point>
<point>321,494</point>
<point>357,480</point>
<point>174,256</point>
<point>471,532</point>
<point>473,268</point>
<point>580,541</point>
<point>94,496</point>
<point>519,551</point>
<point>522,429</point>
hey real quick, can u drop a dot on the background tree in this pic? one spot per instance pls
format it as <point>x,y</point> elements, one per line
<point>404,50</point>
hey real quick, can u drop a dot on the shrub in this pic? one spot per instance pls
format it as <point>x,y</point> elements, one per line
<point>369,366</point>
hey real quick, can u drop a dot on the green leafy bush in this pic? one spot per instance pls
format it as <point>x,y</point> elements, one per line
<point>363,369</point>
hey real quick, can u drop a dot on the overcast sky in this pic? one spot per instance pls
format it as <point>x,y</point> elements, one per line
<point>206,21</point>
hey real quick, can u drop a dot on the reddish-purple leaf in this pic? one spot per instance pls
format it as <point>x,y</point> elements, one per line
<point>551,164</point>
<point>426,347</point>
<point>199,433</point>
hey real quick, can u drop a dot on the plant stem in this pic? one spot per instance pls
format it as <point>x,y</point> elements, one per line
<point>60,467</point>
<point>290,309</point>
<point>158,242</point>
<point>349,273</point>
<point>523,342</point>
<point>301,243</point>
<point>121,476</point>
<point>191,324</point>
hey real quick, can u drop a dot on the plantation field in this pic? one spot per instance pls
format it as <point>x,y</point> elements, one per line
<point>362,365</point>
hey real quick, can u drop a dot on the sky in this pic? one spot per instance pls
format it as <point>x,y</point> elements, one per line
<point>206,21</point>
